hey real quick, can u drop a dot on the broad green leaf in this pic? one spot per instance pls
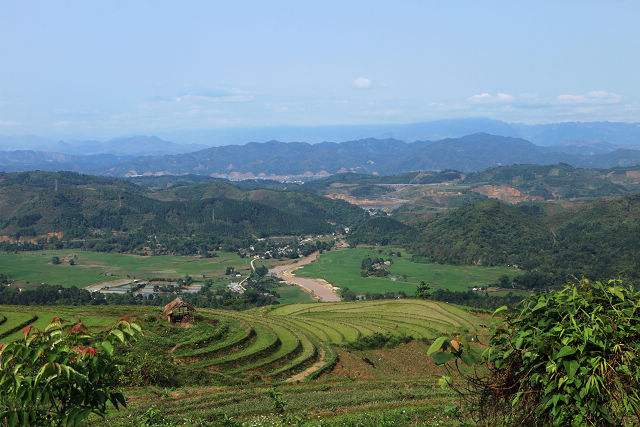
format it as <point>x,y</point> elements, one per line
<point>118,333</point>
<point>617,291</point>
<point>442,357</point>
<point>565,351</point>
<point>108,347</point>
<point>500,310</point>
<point>436,345</point>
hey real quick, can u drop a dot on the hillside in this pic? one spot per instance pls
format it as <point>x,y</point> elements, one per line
<point>485,233</point>
<point>280,160</point>
<point>355,356</point>
<point>114,213</point>
<point>560,181</point>
<point>597,239</point>
<point>381,156</point>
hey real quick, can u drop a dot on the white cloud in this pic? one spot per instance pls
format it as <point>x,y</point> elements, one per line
<point>572,99</point>
<point>489,98</point>
<point>595,97</point>
<point>362,83</point>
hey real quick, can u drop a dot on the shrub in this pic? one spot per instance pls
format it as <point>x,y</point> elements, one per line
<point>60,375</point>
<point>378,340</point>
<point>566,357</point>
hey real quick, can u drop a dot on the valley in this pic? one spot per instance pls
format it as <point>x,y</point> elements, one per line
<point>309,303</point>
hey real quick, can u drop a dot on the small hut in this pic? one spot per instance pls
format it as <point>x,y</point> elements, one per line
<point>179,311</point>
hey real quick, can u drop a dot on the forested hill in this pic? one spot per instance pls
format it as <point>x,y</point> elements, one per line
<point>279,159</point>
<point>560,181</point>
<point>597,239</point>
<point>381,156</point>
<point>105,213</point>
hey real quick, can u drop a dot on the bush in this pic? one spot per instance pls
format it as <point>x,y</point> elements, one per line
<point>378,340</point>
<point>60,375</point>
<point>566,357</point>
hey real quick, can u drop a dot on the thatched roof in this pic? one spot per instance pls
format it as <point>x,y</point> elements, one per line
<point>176,304</point>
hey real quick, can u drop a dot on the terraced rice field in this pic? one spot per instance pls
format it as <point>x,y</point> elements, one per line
<point>247,352</point>
<point>297,342</point>
<point>290,343</point>
<point>19,317</point>
<point>284,343</point>
<point>328,404</point>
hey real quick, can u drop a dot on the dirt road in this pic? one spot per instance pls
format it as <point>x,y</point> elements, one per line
<point>108,284</point>
<point>319,288</point>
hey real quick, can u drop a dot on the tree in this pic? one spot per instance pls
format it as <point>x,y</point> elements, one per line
<point>261,271</point>
<point>61,375</point>
<point>569,357</point>
<point>424,290</point>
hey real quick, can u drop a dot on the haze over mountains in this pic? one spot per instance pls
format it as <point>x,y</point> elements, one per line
<point>137,145</point>
<point>616,133</point>
<point>601,145</point>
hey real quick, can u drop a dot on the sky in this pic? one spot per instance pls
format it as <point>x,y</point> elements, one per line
<point>109,68</point>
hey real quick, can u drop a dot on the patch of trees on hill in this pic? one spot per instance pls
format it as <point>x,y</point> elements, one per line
<point>559,181</point>
<point>381,230</point>
<point>111,214</point>
<point>600,239</point>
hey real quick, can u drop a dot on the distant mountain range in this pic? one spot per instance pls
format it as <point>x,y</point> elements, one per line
<point>282,160</point>
<point>128,146</point>
<point>615,133</point>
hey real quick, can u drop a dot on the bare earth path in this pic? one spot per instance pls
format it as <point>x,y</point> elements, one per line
<point>301,376</point>
<point>319,288</point>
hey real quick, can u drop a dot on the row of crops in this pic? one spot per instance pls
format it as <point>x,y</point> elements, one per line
<point>314,400</point>
<point>13,319</point>
<point>297,342</point>
<point>284,343</point>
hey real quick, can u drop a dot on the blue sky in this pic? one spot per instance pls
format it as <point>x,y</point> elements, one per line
<point>106,68</point>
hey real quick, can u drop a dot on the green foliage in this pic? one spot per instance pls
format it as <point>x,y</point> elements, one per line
<point>600,240</point>
<point>423,291</point>
<point>378,340</point>
<point>559,181</point>
<point>566,357</point>
<point>486,233</point>
<point>113,215</point>
<point>342,268</point>
<point>60,375</point>
<point>382,230</point>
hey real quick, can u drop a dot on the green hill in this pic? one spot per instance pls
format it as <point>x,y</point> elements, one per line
<point>561,181</point>
<point>597,239</point>
<point>113,214</point>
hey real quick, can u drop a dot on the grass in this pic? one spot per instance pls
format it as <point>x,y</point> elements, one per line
<point>92,267</point>
<point>290,294</point>
<point>93,317</point>
<point>342,269</point>
<point>270,345</point>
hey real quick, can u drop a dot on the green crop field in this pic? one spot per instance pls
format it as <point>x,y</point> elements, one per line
<point>93,317</point>
<point>298,347</point>
<point>290,294</point>
<point>92,267</point>
<point>342,268</point>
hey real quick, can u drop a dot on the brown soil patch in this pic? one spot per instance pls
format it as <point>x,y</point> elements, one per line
<point>505,193</point>
<point>366,202</point>
<point>407,361</point>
